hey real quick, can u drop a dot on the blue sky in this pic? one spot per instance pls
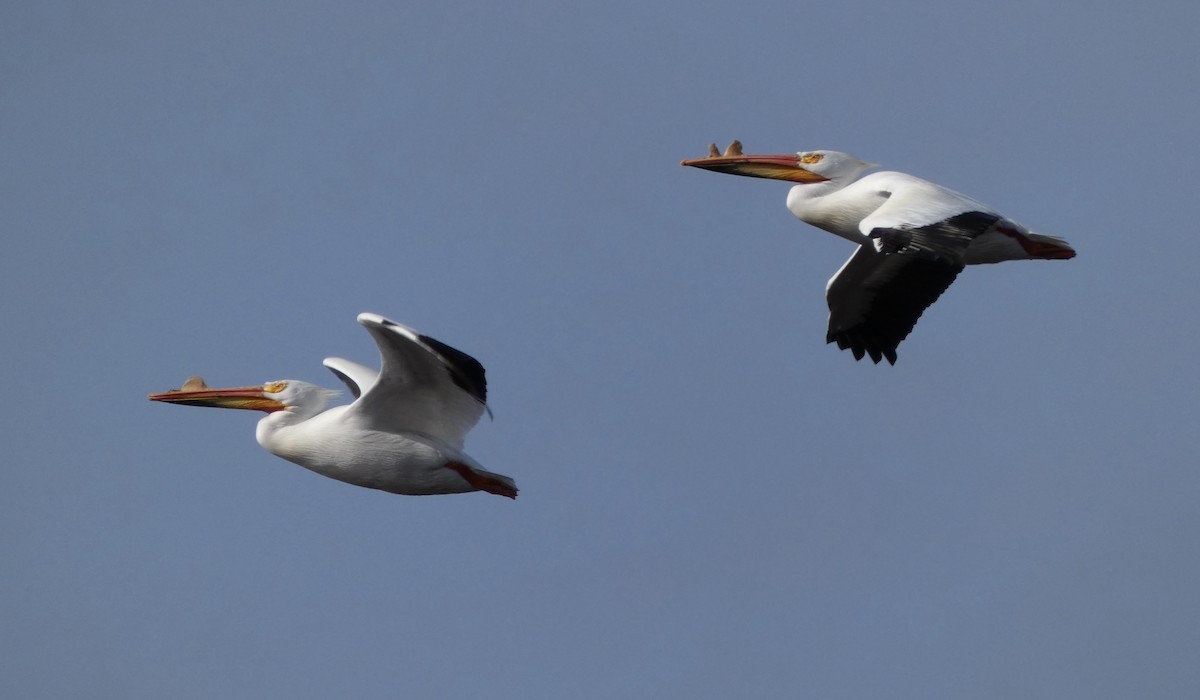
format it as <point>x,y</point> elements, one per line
<point>714,503</point>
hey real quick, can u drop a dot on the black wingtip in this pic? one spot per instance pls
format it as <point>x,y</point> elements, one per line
<point>862,345</point>
<point>466,372</point>
<point>895,310</point>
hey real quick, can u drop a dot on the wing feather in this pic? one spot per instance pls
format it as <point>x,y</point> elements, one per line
<point>918,242</point>
<point>424,385</point>
<point>875,299</point>
<point>357,378</point>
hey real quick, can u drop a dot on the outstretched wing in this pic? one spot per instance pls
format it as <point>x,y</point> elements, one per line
<point>424,385</point>
<point>876,299</point>
<point>918,241</point>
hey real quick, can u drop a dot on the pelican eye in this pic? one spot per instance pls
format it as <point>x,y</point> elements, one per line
<point>274,387</point>
<point>811,158</point>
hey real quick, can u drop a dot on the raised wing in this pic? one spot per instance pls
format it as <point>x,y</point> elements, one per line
<point>424,385</point>
<point>357,378</point>
<point>876,299</point>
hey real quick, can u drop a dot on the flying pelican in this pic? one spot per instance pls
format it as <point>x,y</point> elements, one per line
<point>913,237</point>
<point>404,432</point>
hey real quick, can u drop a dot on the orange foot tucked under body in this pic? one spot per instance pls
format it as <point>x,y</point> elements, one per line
<point>483,481</point>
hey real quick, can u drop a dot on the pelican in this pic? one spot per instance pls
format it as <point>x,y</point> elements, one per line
<point>403,433</point>
<point>913,237</point>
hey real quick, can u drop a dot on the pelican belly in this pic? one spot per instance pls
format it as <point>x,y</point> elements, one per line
<point>395,462</point>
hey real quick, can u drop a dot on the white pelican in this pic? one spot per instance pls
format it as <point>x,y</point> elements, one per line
<point>404,432</point>
<point>913,237</point>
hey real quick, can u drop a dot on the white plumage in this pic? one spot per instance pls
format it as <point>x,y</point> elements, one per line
<point>913,238</point>
<point>404,432</point>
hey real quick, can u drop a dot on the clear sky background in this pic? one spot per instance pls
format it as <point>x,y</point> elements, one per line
<point>714,503</point>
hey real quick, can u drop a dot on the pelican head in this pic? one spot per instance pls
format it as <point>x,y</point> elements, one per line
<point>300,398</point>
<point>803,167</point>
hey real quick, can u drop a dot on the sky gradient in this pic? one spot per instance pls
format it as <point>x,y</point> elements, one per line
<point>714,503</point>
